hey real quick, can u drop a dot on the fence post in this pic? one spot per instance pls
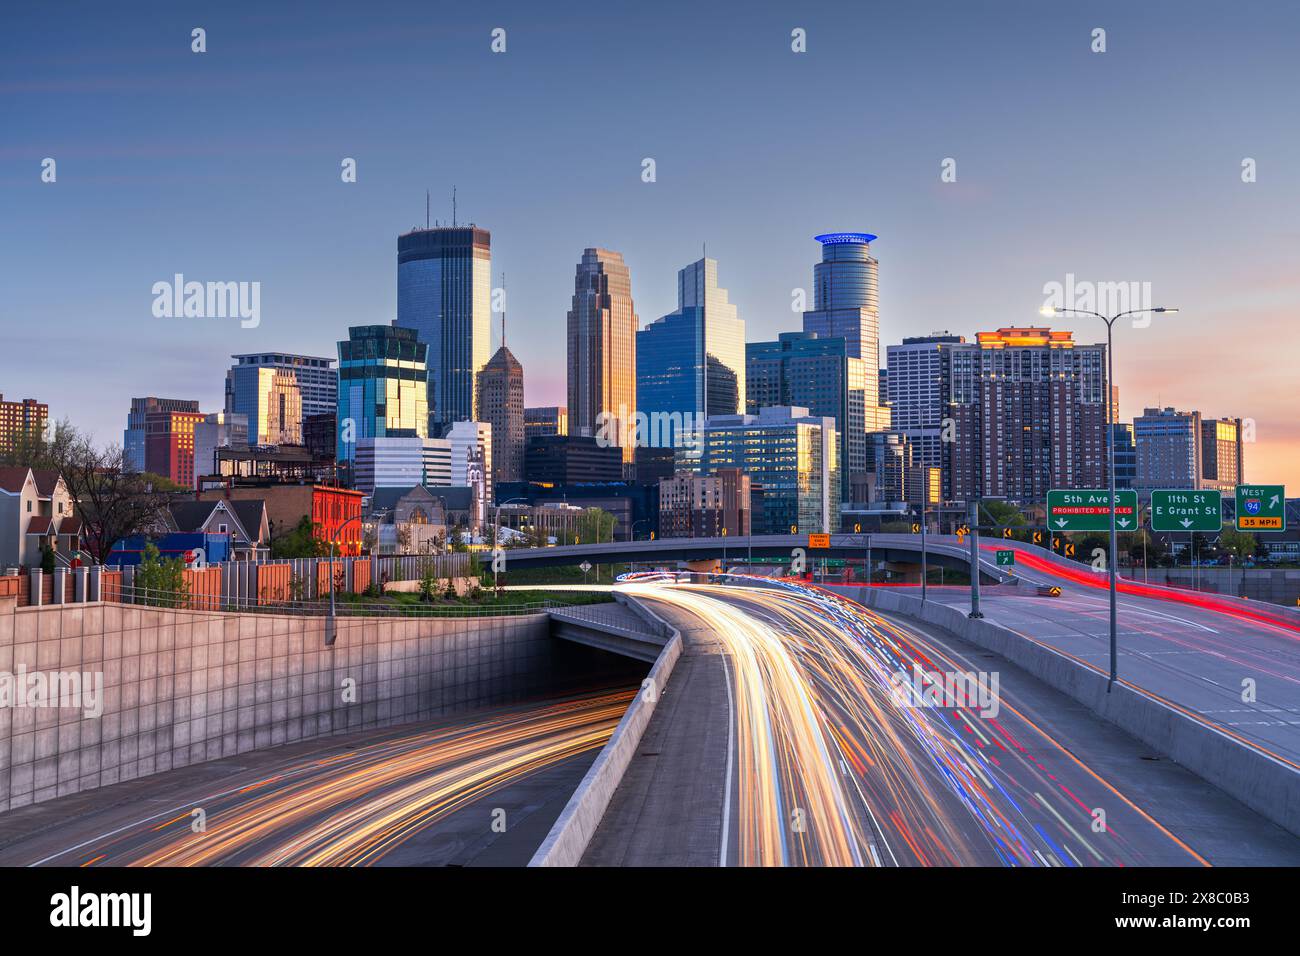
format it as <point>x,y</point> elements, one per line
<point>34,579</point>
<point>96,576</point>
<point>128,584</point>
<point>80,579</point>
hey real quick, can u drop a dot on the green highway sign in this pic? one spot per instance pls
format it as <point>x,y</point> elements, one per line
<point>1006,559</point>
<point>1261,508</point>
<point>1089,510</point>
<point>1184,510</point>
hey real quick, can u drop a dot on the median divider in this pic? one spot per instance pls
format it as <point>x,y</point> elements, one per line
<point>1267,784</point>
<point>576,825</point>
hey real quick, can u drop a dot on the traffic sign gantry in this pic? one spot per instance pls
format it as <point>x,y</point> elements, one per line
<point>1183,510</point>
<point>1006,559</point>
<point>1089,510</point>
<point>1261,508</point>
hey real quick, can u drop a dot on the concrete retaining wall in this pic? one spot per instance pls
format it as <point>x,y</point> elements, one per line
<point>181,687</point>
<point>1267,785</point>
<point>577,823</point>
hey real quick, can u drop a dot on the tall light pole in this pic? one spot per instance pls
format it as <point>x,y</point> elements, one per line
<point>1111,558</point>
<point>331,624</point>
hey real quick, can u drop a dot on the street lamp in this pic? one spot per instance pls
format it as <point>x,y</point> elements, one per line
<point>331,623</point>
<point>1110,461</point>
<point>496,532</point>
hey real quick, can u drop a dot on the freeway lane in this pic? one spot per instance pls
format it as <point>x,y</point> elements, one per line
<point>1196,651</point>
<point>829,766</point>
<point>409,796</point>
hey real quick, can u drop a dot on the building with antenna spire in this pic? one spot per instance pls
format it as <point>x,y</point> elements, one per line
<point>444,294</point>
<point>500,401</point>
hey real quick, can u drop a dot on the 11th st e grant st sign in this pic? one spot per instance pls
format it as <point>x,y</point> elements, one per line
<point>1178,509</point>
<point>1089,510</point>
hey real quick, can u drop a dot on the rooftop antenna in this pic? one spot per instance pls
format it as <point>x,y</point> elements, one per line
<point>503,310</point>
<point>426,209</point>
<point>453,206</point>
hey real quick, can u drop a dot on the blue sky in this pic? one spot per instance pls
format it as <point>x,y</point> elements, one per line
<point>1115,166</point>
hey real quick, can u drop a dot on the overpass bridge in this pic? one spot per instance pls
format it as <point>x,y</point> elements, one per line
<point>941,550</point>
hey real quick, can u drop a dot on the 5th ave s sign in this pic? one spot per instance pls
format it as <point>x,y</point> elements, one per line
<point>1089,510</point>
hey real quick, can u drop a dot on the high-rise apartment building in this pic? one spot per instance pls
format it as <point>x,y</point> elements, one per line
<point>383,387</point>
<point>1222,454</point>
<point>501,405</point>
<point>846,305</point>
<point>691,363</point>
<point>444,293</point>
<point>21,420</point>
<point>318,380</point>
<point>791,455</point>
<point>919,381</point>
<point>1168,448</point>
<point>133,438</point>
<point>1029,414</point>
<point>803,369</point>
<point>546,420</point>
<point>602,360</point>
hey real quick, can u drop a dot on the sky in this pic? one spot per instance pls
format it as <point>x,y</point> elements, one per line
<point>1117,166</point>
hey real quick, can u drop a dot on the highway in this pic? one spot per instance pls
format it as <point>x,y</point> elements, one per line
<point>1195,651</point>
<point>402,797</point>
<point>831,760</point>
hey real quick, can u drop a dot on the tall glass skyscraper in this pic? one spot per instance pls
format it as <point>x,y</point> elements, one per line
<point>383,387</point>
<point>602,360</point>
<point>444,293</point>
<point>692,361</point>
<point>846,305</point>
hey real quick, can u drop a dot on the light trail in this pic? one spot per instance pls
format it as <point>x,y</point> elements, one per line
<point>352,809</point>
<point>837,765</point>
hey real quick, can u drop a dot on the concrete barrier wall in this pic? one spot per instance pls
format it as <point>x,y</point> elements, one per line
<point>1267,785</point>
<point>577,823</point>
<point>181,687</point>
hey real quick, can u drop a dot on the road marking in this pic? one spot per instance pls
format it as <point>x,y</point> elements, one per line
<point>731,747</point>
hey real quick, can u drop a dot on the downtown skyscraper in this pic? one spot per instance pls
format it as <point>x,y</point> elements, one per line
<point>691,363</point>
<point>846,305</point>
<point>602,361</point>
<point>444,293</point>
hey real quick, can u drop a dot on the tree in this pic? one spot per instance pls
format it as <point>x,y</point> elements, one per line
<point>1002,514</point>
<point>161,581</point>
<point>1239,544</point>
<point>595,525</point>
<point>114,501</point>
<point>301,542</point>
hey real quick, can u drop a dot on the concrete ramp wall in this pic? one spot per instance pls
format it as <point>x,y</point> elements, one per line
<point>179,687</point>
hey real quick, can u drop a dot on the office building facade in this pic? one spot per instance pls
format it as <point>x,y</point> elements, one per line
<point>471,453</point>
<point>216,430</point>
<point>803,369</point>
<point>571,459</point>
<point>602,359</point>
<point>133,438</point>
<point>270,399</point>
<point>444,293</point>
<point>318,380</point>
<point>546,420</point>
<point>501,405</point>
<point>691,363</point>
<point>846,305</point>
<point>792,460</point>
<point>383,387</point>
<point>169,445</point>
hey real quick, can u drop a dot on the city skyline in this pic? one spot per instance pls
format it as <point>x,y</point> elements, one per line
<point>277,187</point>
